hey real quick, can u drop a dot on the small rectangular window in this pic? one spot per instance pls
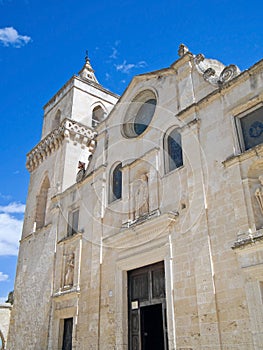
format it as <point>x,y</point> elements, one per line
<point>73,222</point>
<point>250,129</point>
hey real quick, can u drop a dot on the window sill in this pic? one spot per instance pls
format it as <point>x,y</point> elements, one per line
<point>168,173</point>
<point>114,201</point>
<point>252,152</point>
<point>66,292</point>
<point>249,239</point>
<point>70,238</point>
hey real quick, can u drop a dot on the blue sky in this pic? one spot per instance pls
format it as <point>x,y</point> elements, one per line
<point>43,43</point>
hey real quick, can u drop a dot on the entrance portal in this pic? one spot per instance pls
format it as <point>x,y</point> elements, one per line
<point>147,308</point>
<point>152,337</point>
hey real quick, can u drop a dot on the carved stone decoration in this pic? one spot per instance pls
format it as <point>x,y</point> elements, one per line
<point>199,58</point>
<point>209,73</point>
<point>141,196</point>
<point>213,71</point>
<point>81,172</point>
<point>182,50</point>
<point>69,271</point>
<point>259,193</point>
<point>228,73</point>
<point>68,129</point>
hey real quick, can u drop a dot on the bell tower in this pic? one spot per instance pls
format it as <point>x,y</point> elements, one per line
<point>67,140</point>
<point>69,129</point>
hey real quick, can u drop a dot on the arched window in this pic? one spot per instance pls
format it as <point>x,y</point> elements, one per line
<point>2,341</point>
<point>41,205</point>
<point>116,183</point>
<point>57,120</point>
<point>173,151</point>
<point>98,115</point>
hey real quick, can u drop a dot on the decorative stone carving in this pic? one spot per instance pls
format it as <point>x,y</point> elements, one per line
<point>228,73</point>
<point>141,196</point>
<point>81,172</point>
<point>214,71</point>
<point>259,193</point>
<point>199,58</point>
<point>209,73</point>
<point>182,50</point>
<point>69,270</point>
<point>68,128</point>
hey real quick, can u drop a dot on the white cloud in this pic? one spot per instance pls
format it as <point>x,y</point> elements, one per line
<point>114,54</point>
<point>10,37</point>
<point>127,67</point>
<point>5,196</point>
<point>13,207</point>
<point>10,228</point>
<point>3,277</point>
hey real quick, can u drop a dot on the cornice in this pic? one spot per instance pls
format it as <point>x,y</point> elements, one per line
<point>66,130</point>
<point>141,233</point>
<point>70,84</point>
<point>249,241</point>
<point>256,152</point>
<point>230,81</point>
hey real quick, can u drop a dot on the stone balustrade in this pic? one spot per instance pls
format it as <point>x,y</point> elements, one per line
<point>68,129</point>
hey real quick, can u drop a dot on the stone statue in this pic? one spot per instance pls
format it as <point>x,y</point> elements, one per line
<point>81,171</point>
<point>69,271</point>
<point>259,193</point>
<point>183,49</point>
<point>141,194</point>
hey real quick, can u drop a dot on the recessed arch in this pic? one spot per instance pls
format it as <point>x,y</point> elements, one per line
<point>56,120</point>
<point>173,154</point>
<point>2,341</point>
<point>41,203</point>
<point>99,113</point>
<point>115,182</point>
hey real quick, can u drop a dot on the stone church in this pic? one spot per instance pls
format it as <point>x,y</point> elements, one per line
<point>143,223</point>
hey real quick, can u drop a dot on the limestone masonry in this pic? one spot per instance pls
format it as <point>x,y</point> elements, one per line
<point>143,227</point>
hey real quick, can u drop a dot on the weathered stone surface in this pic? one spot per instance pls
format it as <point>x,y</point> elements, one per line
<point>201,219</point>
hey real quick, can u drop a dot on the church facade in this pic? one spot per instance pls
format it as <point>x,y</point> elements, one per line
<point>143,223</point>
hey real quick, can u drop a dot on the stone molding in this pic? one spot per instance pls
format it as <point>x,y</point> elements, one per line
<point>256,151</point>
<point>67,129</point>
<point>248,239</point>
<point>214,71</point>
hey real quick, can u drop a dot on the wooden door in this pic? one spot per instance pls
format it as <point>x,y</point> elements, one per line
<point>147,306</point>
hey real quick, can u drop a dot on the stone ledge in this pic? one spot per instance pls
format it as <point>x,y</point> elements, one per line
<point>141,219</point>
<point>250,239</point>
<point>252,152</point>
<point>75,236</point>
<point>139,235</point>
<point>67,293</point>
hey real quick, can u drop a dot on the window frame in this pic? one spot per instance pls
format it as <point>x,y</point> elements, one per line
<point>240,142</point>
<point>71,229</point>
<point>112,196</point>
<point>167,161</point>
<point>134,110</point>
<point>95,119</point>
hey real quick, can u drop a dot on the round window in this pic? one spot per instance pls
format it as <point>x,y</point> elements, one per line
<point>139,114</point>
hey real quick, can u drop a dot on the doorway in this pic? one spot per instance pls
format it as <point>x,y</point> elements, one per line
<point>147,308</point>
<point>152,337</point>
<point>67,334</point>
